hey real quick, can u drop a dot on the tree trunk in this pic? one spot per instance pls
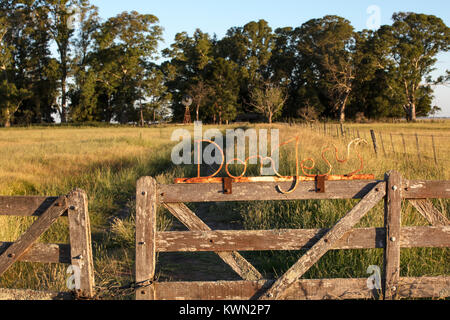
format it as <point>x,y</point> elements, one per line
<point>342,109</point>
<point>63,99</point>
<point>142,118</point>
<point>412,112</point>
<point>8,118</point>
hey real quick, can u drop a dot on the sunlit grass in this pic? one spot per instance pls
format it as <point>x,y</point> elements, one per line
<point>106,163</point>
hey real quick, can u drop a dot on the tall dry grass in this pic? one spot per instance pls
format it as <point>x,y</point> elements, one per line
<point>106,163</point>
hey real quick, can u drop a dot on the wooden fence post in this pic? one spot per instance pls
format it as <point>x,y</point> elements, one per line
<point>80,241</point>
<point>374,140</point>
<point>434,149</point>
<point>145,237</point>
<point>392,143</point>
<point>382,144</point>
<point>392,222</point>
<point>404,143</point>
<point>418,147</point>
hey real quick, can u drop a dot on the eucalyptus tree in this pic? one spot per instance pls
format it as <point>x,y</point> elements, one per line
<point>414,41</point>
<point>61,14</point>
<point>125,46</point>
<point>325,53</point>
<point>187,67</point>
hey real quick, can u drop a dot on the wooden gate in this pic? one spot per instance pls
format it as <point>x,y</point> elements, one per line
<point>78,253</point>
<point>227,244</point>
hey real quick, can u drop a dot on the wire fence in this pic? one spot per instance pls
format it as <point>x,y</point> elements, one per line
<point>424,147</point>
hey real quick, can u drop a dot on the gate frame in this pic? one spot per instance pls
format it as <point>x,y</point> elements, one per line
<point>26,249</point>
<point>393,189</point>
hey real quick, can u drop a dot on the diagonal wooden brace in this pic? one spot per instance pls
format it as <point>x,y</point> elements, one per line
<point>238,263</point>
<point>327,242</point>
<point>20,247</point>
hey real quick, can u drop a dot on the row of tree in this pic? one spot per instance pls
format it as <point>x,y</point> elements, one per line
<point>59,57</point>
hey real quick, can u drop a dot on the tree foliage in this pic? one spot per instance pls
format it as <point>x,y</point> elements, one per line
<point>108,70</point>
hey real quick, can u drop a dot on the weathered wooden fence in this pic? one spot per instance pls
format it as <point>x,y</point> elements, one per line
<point>226,244</point>
<point>78,253</point>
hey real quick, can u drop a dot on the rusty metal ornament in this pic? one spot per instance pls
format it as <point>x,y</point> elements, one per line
<point>300,165</point>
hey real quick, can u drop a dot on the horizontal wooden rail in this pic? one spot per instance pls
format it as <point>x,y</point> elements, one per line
<point>43,253</point>
<point>419,189</point>
<point>25,205</point>
<point>254,191</point>
<point>273,240</point>
<point>437,287</point>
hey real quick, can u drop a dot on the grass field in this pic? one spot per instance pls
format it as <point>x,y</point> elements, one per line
<point>106,162</point>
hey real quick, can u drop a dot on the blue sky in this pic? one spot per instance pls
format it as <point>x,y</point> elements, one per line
<point>218,16</point>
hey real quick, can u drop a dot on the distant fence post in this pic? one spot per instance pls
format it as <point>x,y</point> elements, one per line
<point>418,147</point>
<point>392,143</point>
<point>434,149</point>
<point>374,140</point>
<point>404,143</point>
<point>382,144</point>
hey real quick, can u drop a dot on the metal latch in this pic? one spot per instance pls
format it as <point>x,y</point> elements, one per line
<point>320,183</point>
<point>227,185</point>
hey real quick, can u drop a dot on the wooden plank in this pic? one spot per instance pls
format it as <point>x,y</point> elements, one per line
<point>433,215</point>
<point>279,240</point>
<point>15,251</point>
<point>146,207</point>
<point>393,214</point>
<point>80,241</point>
<point>253,191</point>
<point>19,294</point>
<point>421,189</point>
<point>326,242</point>
<point>238,263</point>
<point>426,287</point>
<point>25,205</point>
<point>43,253</point>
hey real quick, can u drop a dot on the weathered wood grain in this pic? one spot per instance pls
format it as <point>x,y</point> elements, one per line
<point>434,287</point>
<point>16,250</point>
<point>80,241</point>
<point>25,205</point>
<point>279,240</point>
<point>19,294</point>
<point>327,242</point>
<point>43,253</point>
<point>254,191</point>
<point>238,263</point>
<point>427,210</point>
<point>146,207</point>
<point>421,189</point>
<point>392,223</point>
